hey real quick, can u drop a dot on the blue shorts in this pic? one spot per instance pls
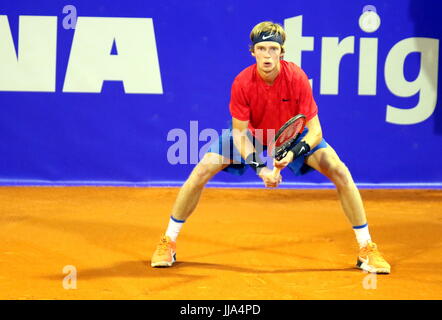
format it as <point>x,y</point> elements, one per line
<point>225,147</point>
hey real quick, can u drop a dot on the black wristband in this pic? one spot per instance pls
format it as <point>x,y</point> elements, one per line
<point>300,149</point>
<point>255,162</point>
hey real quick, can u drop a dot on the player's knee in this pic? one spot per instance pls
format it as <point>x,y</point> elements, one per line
<point>203,172</point>
<point>339,174</point>
<point>213,159</point>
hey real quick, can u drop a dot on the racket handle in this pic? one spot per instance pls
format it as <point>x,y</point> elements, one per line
<point>276,171</point>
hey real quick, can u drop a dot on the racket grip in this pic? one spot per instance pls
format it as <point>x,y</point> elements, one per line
<point>276,171</point>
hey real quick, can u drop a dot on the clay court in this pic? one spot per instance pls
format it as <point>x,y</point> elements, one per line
<point>239,244</point>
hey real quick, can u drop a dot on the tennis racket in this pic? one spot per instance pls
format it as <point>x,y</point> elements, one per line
<point>285,139</point>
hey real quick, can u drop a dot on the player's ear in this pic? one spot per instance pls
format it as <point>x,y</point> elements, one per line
<point>252,49</point>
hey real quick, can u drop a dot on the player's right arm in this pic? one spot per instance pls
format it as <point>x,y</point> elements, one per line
<point>247,151</point>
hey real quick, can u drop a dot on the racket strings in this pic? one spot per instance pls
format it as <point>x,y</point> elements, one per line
<point>288,134</point>
<point>286,137</point>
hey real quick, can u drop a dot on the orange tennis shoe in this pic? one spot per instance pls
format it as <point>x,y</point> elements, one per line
<point>371,260</point>
<point>164,255</point>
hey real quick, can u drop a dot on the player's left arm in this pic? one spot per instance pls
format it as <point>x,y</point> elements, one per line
<point>314,134</point>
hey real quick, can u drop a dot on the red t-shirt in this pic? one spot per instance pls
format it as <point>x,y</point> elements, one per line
<point>269,107</point>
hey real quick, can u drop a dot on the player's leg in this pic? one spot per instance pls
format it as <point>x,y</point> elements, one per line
<point>185,204</point>
<point>326,161</point>
<point>190,192</point>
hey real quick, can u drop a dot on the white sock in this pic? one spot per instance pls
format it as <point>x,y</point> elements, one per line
<point>362,235</point>
<point>174,228</point>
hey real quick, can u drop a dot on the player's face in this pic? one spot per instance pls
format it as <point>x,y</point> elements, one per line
<point>267,54</point>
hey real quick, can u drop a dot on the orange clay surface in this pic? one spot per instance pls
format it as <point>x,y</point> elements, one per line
<point>239,244</point>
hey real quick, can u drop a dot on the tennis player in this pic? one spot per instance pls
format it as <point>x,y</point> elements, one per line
<point>263,97</point>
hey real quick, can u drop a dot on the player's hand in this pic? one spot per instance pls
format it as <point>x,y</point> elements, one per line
<point>269,179</point>
<point>284,162</point>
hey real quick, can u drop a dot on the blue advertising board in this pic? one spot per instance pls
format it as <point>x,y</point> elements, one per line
<point>101,92</point>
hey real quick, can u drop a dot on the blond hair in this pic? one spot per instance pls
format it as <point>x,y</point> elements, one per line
<point>267,26</point>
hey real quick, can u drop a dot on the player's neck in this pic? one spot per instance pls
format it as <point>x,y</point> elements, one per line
<point>269,77</point>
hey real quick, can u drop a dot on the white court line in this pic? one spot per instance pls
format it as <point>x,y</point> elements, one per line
<point>218,184</point>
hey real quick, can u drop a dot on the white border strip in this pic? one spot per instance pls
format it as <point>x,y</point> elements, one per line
<point>216,184</point>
